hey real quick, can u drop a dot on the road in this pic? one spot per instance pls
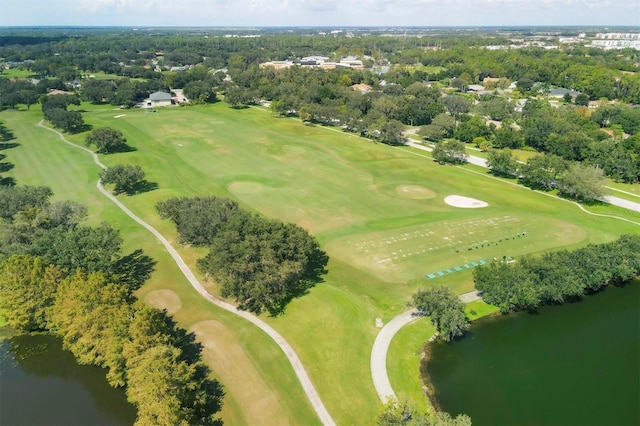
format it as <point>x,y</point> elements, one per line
<point>291,355</point>
<point>478,161</point>
<point>378,361</point>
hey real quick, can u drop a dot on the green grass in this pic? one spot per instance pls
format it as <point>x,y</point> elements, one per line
<point>359,198</point>
<point>478,309</point>
<point>403,362</point>
<point>16,73</point>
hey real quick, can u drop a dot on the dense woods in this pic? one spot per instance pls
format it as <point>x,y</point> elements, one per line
<point>408,85</point>
<point>261,263</point>
<point>72,280</point>
<point>559,276</point>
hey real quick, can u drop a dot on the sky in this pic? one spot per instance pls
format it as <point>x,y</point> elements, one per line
<point>331,13</point>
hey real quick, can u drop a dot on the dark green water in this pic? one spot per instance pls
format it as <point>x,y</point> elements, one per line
<point>575,364</point>
<point>40,384</point>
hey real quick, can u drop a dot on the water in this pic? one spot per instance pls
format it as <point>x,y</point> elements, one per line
<point>40,384</point>
<point>575,364</point>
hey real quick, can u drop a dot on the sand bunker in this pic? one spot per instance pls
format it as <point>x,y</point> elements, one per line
<point>415,192</point>
<point>119,115</point>
<point>245,187</point>
<point>464,202</point>
<point>164,299</point>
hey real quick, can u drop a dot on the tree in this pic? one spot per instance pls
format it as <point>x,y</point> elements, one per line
<point>21,199</point>
<point>237,97</point>
<point>507,137</point>
<point>126,178</point>
<point>200,92</point>
<point>457,105</point>
<point>444,308</point>
<point>450,152</point>
<point>391,132</point>
<point>28,288</point>
<point>82,247</point>
<point>470,128</point>
<point>106,140</point>
<point>542,171</point>
<point>432,132</point>
<point>582,99</point>
<point>68,121</point>
<point>502,163</point>
<point>582,182</point>
<point>405,414</point>
<point>168,391</point>
<point>199,219</point>
<point>92,315</point>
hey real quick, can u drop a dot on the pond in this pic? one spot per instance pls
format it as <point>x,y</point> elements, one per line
<point>41,384</point>
<point>575,364</point>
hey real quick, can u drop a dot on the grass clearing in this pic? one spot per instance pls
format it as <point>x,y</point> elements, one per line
<point>364,202</point>
<point>403,362</point>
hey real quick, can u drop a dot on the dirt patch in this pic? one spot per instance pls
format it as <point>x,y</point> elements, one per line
<point>164,299</point>
<point>235,369</point>
<point>415,192</point>
<point>245,187</point>
<point>464,202</point>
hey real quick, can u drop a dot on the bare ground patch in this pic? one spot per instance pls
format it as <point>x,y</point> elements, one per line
<point>164,299</point>
<point>415,192</point>
<point>227,358</point>
<point>464,202</point>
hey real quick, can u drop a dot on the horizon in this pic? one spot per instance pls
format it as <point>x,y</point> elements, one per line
<point>329,13</point>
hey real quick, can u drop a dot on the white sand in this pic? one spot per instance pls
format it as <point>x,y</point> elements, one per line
<point>121,115</point>
<point>464,202</point>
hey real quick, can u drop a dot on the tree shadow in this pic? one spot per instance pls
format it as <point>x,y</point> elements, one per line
<point>120,149</point>
<point>6,134</point>
<point>312,276</point>
<point>5,167</point>
<point>7,181</point>
<point>80,129</point>
<point>8,145</point>
<point>134,269</point>
<point>142,187</point>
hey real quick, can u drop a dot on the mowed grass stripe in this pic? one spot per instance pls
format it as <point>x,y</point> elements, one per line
<point>42,159</point>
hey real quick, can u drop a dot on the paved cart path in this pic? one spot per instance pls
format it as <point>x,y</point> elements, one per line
<point>381,347</point>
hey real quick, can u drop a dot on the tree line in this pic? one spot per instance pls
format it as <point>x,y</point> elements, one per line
<point>72,280</point>
<point>261,263</point>
<point>559,276</point>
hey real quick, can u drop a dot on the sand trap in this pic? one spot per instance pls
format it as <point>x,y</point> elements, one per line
<point>245,187</point>
<point>464,202</point>
<point>415,192</point>
<point>121,115</point>
<point>164,299</point>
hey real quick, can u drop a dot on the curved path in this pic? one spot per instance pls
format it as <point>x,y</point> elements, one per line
<point>305,381</point>
<point>381,346</point>
<point>478,161</point>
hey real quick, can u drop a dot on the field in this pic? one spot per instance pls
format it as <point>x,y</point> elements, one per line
<point>378,211</point>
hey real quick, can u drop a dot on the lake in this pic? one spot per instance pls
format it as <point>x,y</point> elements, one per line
<point>40,384</point>
<point>574,364</point>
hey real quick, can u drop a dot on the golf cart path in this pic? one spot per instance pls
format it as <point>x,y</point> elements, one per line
<point>478,161</point>
<point>380,348</point>
<point>298,368</point>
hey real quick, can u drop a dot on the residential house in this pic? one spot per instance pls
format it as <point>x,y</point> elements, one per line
<point>159,99</point>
